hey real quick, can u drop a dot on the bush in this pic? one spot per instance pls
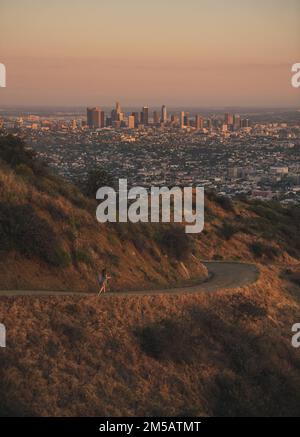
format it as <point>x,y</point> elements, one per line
<point>260,250</point>
<point>225,203</point>
<point>13,151</point>
<point>25,172</point>
<point>23,230</point>
<point>82,256</point>
<point>166,340</point>
<point>72,332</point>
<point>174,241</point>
<point>227,231</point>
<point>56,212</point>
<point>294,277</point>
<point>96,178</point>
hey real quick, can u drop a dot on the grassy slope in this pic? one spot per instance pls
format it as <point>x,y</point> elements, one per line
<point>226,353</point>
<point>54,241</point>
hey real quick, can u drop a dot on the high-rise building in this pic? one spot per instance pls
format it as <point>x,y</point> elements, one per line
<point>174,119</point>
<point>182,117</point>
<point>236,122</point>
<point>136,116</point>
<point>164,114</point>
<point>145,112</point>
<point>228,119</point>
<point>187,119</point>
<point>245,123</point>
<point>131,122</point>
<point>198,122</point>
<point>156,118</point>
<point>118,108</point>
<point>95,117</point>
<point>117,114</point>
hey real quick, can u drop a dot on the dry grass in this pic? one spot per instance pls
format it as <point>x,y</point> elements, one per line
<point>133,257</point>
<point>226,353</point>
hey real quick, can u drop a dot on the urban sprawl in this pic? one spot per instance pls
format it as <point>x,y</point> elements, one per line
<point>255,154</point>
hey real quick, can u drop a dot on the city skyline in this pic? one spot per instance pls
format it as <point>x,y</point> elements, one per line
<point>98,118</point>
<point>207,53</point>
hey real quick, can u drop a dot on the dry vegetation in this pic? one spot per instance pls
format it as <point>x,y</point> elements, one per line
<point>50,238</point>
<point>226,353</point>
<point>222,354</point>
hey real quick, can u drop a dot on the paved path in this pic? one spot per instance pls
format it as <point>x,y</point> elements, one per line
<point>222,275</point>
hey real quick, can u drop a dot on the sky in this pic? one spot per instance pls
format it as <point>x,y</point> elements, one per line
<point>188,53</point>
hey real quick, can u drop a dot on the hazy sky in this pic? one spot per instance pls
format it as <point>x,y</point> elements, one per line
<point>187,52</point>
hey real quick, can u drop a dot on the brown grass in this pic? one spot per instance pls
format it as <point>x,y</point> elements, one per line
<point>226,353</point>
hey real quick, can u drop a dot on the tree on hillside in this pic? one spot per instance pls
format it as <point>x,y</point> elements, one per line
<point>97,177</point>
<point>13,151</point>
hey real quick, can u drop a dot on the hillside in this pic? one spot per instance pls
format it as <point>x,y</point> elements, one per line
<point>50,238</point>
<point>226,353</point>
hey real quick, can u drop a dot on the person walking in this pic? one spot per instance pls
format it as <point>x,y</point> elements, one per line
<point>103,279</point>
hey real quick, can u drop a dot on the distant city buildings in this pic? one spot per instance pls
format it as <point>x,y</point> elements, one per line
<point>97,119</point>
<point>164,114</point>
<point>250,154</point>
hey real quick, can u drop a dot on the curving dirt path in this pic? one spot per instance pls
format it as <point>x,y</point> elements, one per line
<point>222,275</point>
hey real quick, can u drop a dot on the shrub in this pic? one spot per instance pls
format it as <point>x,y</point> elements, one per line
<point>166,340</point>
<point>82,256</point>
<point>113,259</point>
<point>96,178</point>
<point>56,212</point>
<point>295,278</point>
<point>174,241</point>
<point>228,230</point>
<point>260,250</point>
<point>25,172</point>
<point>225,203</point>
<point>72,332</point>
<point>13,151</point>
<point>23,230</point>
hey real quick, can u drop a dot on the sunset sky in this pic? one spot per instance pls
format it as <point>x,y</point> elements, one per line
<point>192,52</point>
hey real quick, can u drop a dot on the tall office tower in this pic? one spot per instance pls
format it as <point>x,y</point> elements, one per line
<point>131,122</point>
<point>94,117</point>
<point>118,108</point>
<point>174,119</point>
<point>187,119</point>
<point>145,112</point>
<point>102,119</point>
<point>136,116</point>
<point>164,114</point>
<point>198,122</point>
<point>182,117</point>
<point>228,119</point>
<point>236,122</point>
<point>116,113</point>
<point>245,123</point>
<point>156,118</point>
